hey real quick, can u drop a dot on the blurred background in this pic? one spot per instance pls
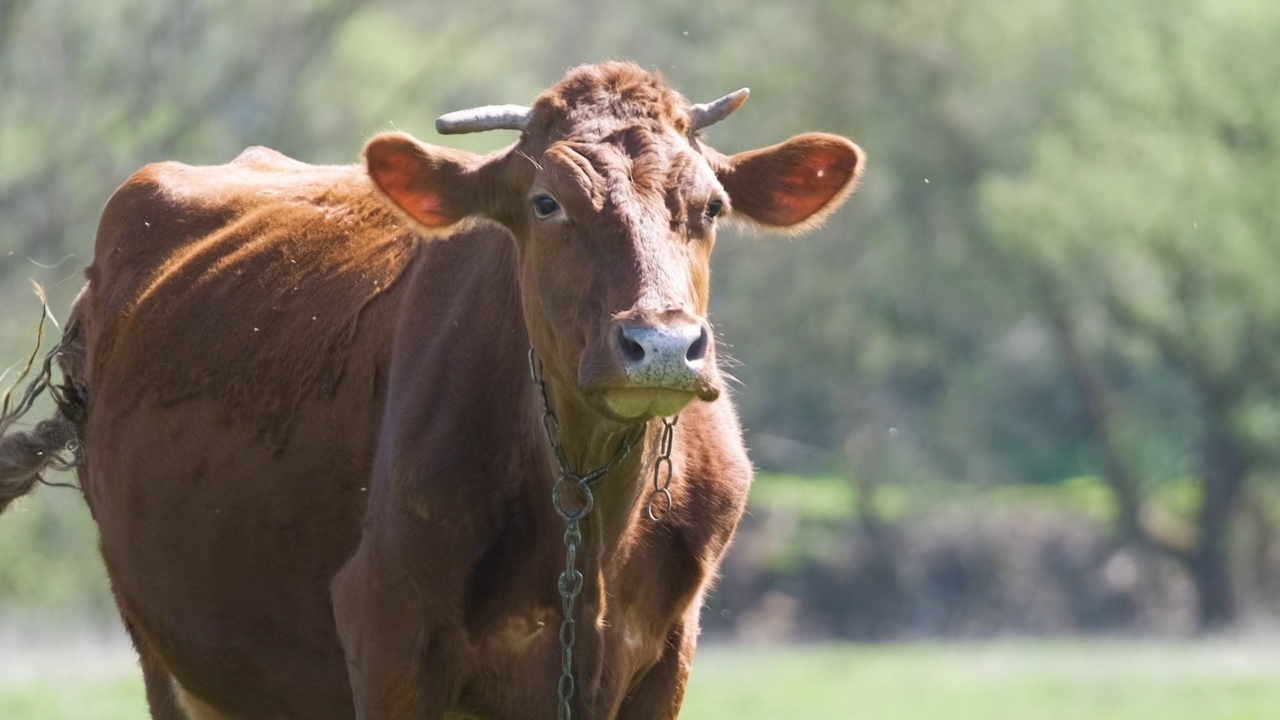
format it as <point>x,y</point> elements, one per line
<point>1026,384</point>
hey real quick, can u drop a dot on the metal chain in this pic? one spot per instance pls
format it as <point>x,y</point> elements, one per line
<point>571,581</point>
<point>570,585</point>
<point>662,472</point>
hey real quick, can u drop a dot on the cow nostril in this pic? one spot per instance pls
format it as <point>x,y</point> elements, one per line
<point>632,351</point>
<point>698,349</point>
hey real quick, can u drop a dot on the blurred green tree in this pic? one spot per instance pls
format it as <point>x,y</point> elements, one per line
<point>1148,225</point>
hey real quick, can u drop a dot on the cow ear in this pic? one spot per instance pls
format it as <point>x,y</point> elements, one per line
<point>436,187</point>
<point>793,185</point>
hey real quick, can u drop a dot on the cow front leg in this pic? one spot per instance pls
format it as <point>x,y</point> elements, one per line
<point>660,692</point>
<point>394,655</point>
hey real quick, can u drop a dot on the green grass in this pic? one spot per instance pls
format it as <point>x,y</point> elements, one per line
<point>927,681</point>
<point>1002,681</point>
<point>117,697</point>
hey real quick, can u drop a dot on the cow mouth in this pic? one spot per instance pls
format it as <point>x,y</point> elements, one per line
<point>632,403</point>
<point>638,403</point>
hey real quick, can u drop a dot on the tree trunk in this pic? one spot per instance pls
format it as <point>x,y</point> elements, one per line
<point>1262,542</point>
<point>1225,466</point>
<point>1100,405</point>
<point>880,611</point>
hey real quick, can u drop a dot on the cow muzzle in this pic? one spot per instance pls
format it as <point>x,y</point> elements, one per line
<point>658,363</point>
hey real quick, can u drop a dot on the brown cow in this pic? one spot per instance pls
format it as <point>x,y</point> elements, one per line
<point>232,348</point>
<point>447,606</point>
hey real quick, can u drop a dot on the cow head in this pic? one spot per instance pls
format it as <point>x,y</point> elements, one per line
<point>614,202</point>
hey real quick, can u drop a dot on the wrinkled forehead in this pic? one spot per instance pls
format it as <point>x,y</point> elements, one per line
<point>644,163</point>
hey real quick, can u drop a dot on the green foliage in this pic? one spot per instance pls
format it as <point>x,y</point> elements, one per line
<point>50,571</point>
<point>1154,190</point>
<point>814,498</point>
<point>834,500</point>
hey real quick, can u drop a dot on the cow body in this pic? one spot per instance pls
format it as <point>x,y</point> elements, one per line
<point>321,466</point>
<point>237,330</point>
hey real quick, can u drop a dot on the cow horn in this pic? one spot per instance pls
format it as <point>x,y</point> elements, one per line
<point>707,114</point>
<point>489,117</point>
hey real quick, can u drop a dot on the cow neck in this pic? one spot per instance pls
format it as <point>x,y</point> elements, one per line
<point>596,462</point>
<point>597,504</point>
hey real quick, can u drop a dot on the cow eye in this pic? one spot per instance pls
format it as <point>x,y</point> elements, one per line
<point>714,208</point>
<point>544,206</point>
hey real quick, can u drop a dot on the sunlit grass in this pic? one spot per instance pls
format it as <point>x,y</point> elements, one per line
<point>1119,680</point>
<point>833,499</point>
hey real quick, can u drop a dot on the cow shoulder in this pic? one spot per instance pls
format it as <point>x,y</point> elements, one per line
<point>244,282</point>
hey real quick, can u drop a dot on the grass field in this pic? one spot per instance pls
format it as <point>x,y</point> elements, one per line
<point>989,681</point>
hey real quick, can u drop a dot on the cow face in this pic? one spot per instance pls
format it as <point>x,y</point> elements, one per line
<point>615,262</point>
<point>614,205</point>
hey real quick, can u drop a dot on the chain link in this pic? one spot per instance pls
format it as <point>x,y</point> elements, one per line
<point>570,586</point>
<point>571,580</point>
<point>662,473</point>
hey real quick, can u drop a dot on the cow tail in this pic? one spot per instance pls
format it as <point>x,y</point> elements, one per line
<point>54,443</point>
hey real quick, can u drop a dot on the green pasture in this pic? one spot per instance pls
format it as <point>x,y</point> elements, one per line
<point>1001,681</point>
<point>988,681</point>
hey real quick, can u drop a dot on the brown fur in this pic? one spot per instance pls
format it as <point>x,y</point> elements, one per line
<point>252,332</point>
<point>593,101</point>
<point>234,253</point>
<point>238,324</point>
